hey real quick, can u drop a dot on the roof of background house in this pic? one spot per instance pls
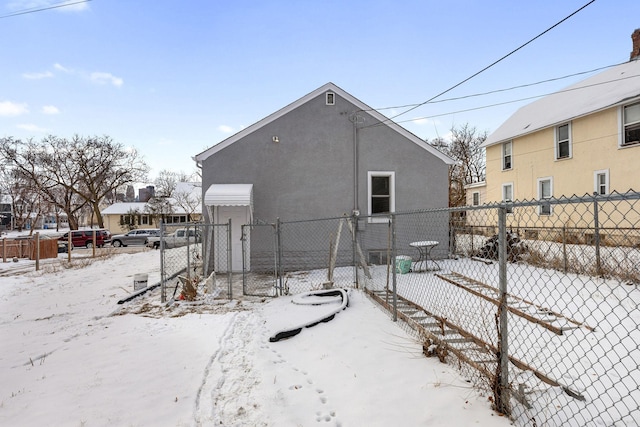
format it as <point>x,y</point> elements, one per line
<point>612,87</point>
<point>343,94</point>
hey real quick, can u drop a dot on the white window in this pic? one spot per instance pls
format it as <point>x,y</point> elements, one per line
<point>601,182</point>
<point>545,191</point>
<point>507,195</point>
<point>476,198</point>
<point>506,155</point>
<point>631,125</point>
<point>331,98</point>
<point>563,141</point>
<point>381,193</point>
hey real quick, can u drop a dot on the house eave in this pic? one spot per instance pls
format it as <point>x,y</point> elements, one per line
<point>199,158</point>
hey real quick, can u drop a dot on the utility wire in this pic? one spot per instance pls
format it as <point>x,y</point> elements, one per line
<point>474,95</point>
<point>55,6</point>
<point>519,100</point>
<point>490,65</point>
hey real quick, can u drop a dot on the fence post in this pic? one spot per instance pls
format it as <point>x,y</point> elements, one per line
<point>596,233</point>
<point>188,238</point>
<point>93,245</point>
<point>279,255</point>
<point>229,260</point>
<point>354,242</point>
<point>501,386</point>
<point>163,275</point>
<point>37,239</point>
<point>4,249</point>
<point>564,247</point>
<point>392,222</point>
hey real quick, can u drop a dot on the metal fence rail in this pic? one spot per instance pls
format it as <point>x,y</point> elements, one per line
<point>536,302</point>
<point>195,254</point>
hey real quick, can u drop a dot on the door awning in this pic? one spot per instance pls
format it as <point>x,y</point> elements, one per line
<point>229,195</point>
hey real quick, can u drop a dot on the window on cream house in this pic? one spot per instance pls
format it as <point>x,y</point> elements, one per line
<point>563,141</point>
<point>545,191</point>
<point>506,155</point>
<point>601,182</point>
<point>507,195</point>
<point>476,198</point>
<point>631,124</point>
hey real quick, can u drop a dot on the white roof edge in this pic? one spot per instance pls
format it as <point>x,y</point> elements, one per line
<point>476,184</point>
<point>326,87</point>
<point>613,87</point>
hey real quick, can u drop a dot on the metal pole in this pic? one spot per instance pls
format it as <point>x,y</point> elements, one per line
<point>244,251</point>
<point>503,347</point>
<point>186,230</point>
<point>163,275</point>
<point>596,233</point>
<point>564,246</point>
<point>393,266</point>
<point>354,242</point>
<point>229,261</point>
<point>4,249</point>
<point>279,255</point>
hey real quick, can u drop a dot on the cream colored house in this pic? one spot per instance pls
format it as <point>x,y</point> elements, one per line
<point>582,140</point>
<point>186,206</point>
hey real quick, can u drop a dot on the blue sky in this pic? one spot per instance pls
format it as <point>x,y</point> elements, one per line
<point>172,78</point>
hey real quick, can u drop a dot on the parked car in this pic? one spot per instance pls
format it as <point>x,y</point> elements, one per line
<point>85,238</point>
<point>134,237</point>
<point>180,237</point>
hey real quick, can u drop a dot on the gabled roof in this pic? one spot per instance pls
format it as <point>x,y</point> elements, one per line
<point>612,87</point>
<point>338,91</point>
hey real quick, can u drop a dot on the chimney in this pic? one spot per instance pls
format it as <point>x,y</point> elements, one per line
<point>635,38</point>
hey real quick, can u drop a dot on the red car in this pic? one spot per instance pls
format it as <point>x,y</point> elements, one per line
<point>85,238</point>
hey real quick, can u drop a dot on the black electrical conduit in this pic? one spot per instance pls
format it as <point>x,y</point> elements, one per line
<point>341,293</point>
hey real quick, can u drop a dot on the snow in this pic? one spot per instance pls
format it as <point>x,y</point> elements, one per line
<point>71,356</point>
<point>603,90</point>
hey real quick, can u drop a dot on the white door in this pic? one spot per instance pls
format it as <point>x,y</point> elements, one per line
<point>239,216</point>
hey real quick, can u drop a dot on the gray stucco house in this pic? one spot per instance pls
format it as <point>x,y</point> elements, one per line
<point>325,155</point>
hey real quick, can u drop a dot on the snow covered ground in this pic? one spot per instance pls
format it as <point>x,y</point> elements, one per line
<point>71,356</point>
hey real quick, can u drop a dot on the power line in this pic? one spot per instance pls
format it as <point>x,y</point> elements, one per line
<point>490,65</point>
<point>33,10</point>
<point>516,100</point>
<point>474,95</point>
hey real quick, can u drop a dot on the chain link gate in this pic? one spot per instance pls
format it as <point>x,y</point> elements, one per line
<point>195,254</point>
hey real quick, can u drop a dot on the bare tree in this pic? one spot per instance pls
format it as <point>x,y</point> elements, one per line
<point>72,174</point>
<point>466,148</point>
<point>189,198</point>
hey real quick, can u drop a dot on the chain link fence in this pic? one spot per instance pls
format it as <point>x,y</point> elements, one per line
<point>535,302</point>
<point>195,261</point>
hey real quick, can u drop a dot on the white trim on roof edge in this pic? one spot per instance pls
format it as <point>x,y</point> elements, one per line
<point>199,158</point>
<point>610,88</point>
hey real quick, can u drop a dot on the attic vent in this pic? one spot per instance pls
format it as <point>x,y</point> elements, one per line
<point>331,98</point>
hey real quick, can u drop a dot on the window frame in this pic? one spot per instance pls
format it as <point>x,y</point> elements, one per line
<point>568,141</point>
<point>505,155</point>
<point>392,195</point>
<point>504,199</point>
<point>541,207</point>
<point>330,98</point>
<point>475,198</point>
<point>623,126</point>
<point>596,183</point>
